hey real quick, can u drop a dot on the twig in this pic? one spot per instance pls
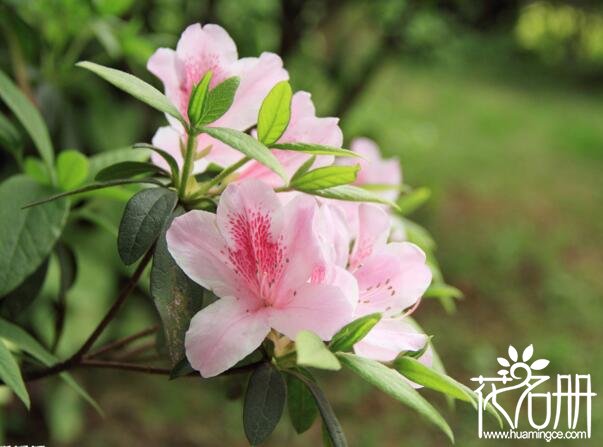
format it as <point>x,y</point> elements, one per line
<point>133,354</point>
<point>122,342</point>
<point>109,364</point>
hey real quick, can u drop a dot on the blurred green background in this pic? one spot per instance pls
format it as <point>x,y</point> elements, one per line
<point>497,107</point>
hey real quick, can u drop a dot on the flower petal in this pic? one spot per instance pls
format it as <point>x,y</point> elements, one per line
<point>164,64</point>
<point>373,229</point>
<point>168,139</point>
<point>388,339</point>
<point>222,334</point>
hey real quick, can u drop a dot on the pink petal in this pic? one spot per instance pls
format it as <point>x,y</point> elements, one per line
<point>334,234</point>
<point>258,76</point>
<point>373,229</point>
<point>320,308</point>
<point>199,249</point>
<point>222,334</point>
<point>388,339</point>
<point>168,139</point>
<point>392,279</point>
<point>164,64</point>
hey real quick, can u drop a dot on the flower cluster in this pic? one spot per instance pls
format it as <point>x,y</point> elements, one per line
<point>282,261</point>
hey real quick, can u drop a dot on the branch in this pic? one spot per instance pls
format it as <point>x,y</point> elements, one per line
<point>117,344</point>
<point>109,364</point>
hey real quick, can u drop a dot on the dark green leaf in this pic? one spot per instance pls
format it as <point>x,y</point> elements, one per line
<point>72,169</point>
<point>315,149</point>
<point>17,301</point>
<point>143,220</point>
<point>104,159</point>
<point>135,87</point>
<point>353,194</point>
<point>353,332</point>
<point>392,383</point>
<point>94,187</point>
<point>10,374</point>
<point>219,100</point>
<point>26,236</point>
<point>30,119</point>
<point>176,296</point>
<point>27,343</point>
<point>127,169</point>
<point>197,101</point>
<point>413,200</point>
<point>247,145</point>
<point>325,177</point>
<point>10,138</point>
<point>301,404</point>
<point>275,113</point>
<point>264,403</point>
<point>336,435</point>
<point>170,160</point>
<point>311,351</point>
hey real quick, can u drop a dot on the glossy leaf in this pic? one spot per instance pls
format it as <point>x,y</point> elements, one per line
<point>219,100</point>
<point>143,220</point>
<point>169,159</point>
<point>311,351</point>
<point>353,332</point>
<point>392,383</point>
<point>325,177</point>
<point>275,113</point>
<point>127,169</point>
<point>104,159</point>
<point>247,145</point>
<point>26,236</point>
<point>264,403</point>
<point>135,87</point>
<point>10,374</point>
<point>72,169</point>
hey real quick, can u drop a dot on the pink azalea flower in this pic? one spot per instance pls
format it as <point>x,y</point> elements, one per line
<point>391,277</point>
<point>265,262</point>
<point>199,50</point>
<point>304,127</point>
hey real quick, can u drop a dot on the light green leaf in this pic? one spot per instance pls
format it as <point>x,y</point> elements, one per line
<point>353,332</point>
<point>26,236</point>
<point>143,220</point>
<point>305,167</point>
<point>27,343</point>
<point>197,102</point>
<point>315,149</point>
<point>408,203</point>
<point>30,119</point>
<point>247,145</point>
<point>264,403</point>
<point>35,168</point>
<point>11,374</point>
<point>392,383</point>
<point>352,194</point>
<point>311,351</point>
<point>72,169</point>
<point>441,290</point>
<point>219,100</point>
<point>275,113</point>
<point>325,177</point>
<point>135,87</point>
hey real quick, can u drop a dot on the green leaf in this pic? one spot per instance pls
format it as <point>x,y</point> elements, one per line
<point>275,113</point>
<point>333,427</point>
<point>10,139</point>
<point>311,351</point>
<point>197,101</point>
<point>142,222</point>
<point>301,404</point>
<point>35,168</point>
<point>352,194</point>
<point>392,383</point>
<point>416,234</point>
<point>442,290</point>
<point>169,159</point>
<point>17,301</point>
<point>219,100</point>
<point>315,149</point>
<point>11,374</point>
<point>353,332</point>
<point>27,343</point>
<point>108,158</point>
<point>26,236</point>
<point>305,167</point>
<point>93,187</point>
<point>413,200</point>
<point>417,372</point>
<point>30,119</point>
<point>72,169</point>
<point>177,298</point>
<point>135,87</point>
<point>247,145</point>
<point>127,169</point>
<point>264,403</point>
<point>325,177</point>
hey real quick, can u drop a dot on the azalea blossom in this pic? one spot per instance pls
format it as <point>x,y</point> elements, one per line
<point>199,50</point>
<point>391,277</point>
<point>304,127</point>
<point>266,263</point>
